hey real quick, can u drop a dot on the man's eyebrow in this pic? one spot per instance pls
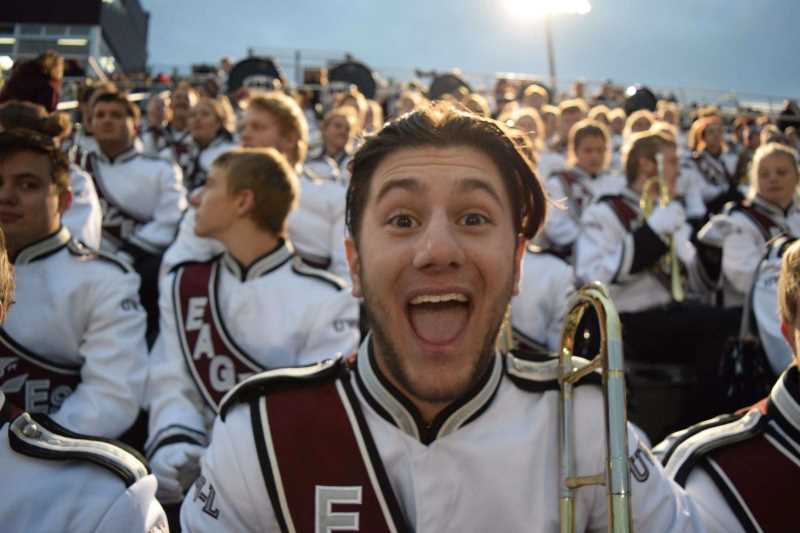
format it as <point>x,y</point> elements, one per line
<point>406,184</point>
<point>25,174</point>
<point>474,184</point>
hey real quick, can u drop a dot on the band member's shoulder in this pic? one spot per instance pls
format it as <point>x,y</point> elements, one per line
<point>685,450</point>
<point>85,253</point>
<point>271,381</point>
<point>39,437</point>
<point>302,268</point>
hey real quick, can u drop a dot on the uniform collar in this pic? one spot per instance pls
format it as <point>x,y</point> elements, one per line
<point>221,138</point>
<point>583,175</point>
<point>43,248</point>
<point>785,399</point>
<point>265,264</point>
<point>390,404</point>
<point>772,210</point>
<point>124,157</point>
<point>631,195</point>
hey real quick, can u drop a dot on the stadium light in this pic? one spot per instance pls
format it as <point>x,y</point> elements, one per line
<point>72,42</point>
<point>531,10</point>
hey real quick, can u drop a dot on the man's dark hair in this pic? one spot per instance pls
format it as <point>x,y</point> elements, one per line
<point>441,125</point>
<point>19,140</point>
<point>131,109</point>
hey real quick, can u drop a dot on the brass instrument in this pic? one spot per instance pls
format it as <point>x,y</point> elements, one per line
<point>646,204</point>
<point>610,359</point>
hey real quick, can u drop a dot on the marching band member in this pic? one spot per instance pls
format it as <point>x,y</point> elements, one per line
<point>156,136</point>
<point>764,305</point>
<point>745,228</point>
<point>178,136</point>
<point>427,427</point>
<point>638,121</point>
<point>142,196</point>
<point>555,157</point>
<point>535,96</point>
<point>316,227</point>
<point>73,345</point>
<point>626,249</point>
<point>709,166</point>
<point>257,306</point>
<point>537,312</point>
<point>84,218</point>
<point>331,159</point>
<point>42,461</point>
<point>742,469</point>
<point>211,125</point>
<point>579,184</point>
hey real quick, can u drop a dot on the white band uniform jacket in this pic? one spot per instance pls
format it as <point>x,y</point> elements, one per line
<point>607,251</point>
<point>316,229</point>
<point>78,308</point>
<point>56,484</point>
<point>688,458</point>
<point>317,226</point>
<point>491,463</point>
<point>279,311</point>
<point>84,218</point>
<point>744,242</point>
<point>537,312</point>
<point>196,162</point>
<point>147,187</point>
<point>563,225</point>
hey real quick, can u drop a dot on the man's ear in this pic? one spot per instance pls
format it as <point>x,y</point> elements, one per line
<point>519,254</point>
<point>788,333</point>
<point>245,201</point>
<point>351,251</point>
<point>64,200</point>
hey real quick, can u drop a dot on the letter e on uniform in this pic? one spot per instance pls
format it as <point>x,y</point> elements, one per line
<point>194,316</point>
<point>328,521</point>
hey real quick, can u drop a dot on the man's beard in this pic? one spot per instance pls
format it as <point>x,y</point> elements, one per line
<point>396,365</point>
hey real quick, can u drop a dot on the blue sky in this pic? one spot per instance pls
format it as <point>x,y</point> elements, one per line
<point>750,46</point>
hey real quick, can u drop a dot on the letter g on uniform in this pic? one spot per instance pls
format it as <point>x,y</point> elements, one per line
<point>328,521</point>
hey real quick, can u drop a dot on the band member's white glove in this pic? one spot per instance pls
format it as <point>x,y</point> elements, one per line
<point>667,220</point>
<point>175,466</point>
<point>684,248</point>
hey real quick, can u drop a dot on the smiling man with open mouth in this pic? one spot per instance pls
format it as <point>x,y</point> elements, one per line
<point>428,427</point>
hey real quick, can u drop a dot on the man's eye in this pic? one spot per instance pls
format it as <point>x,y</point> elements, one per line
<point>402,221</point>
<point>474,219</point>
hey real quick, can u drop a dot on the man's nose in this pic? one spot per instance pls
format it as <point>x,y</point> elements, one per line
<point>197,196</point>
<point>7,194</point>
<point>439,245</point>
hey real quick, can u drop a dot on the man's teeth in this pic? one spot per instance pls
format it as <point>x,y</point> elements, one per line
<point>439,298</point>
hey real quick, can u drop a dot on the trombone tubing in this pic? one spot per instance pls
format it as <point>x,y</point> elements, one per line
<point>617,476</point>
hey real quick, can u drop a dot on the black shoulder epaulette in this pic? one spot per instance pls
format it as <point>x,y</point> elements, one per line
<point>182,264</point>
<point>304,269</point>
<point>538,372</point>
<point>685,456</point>
<point>86,253</point>
<point>38,436</point>
<point>261,383</point>
<point>667,447</point>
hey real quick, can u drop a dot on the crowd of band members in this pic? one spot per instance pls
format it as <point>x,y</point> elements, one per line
<point>140,187</point>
